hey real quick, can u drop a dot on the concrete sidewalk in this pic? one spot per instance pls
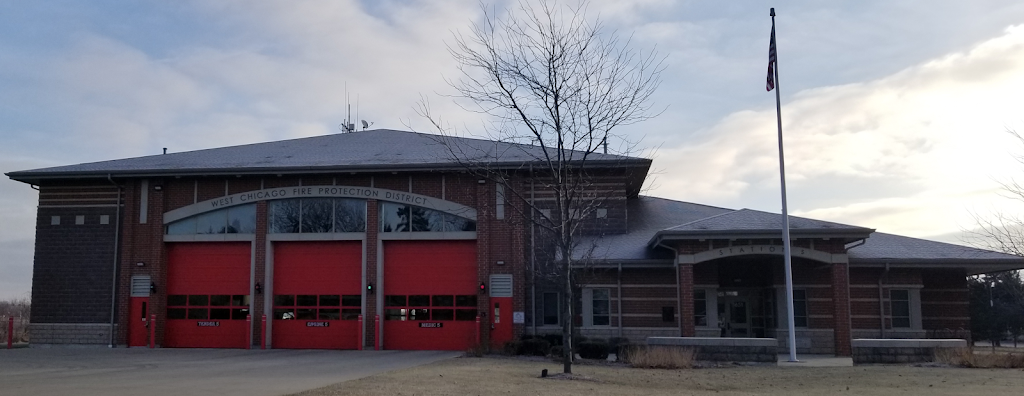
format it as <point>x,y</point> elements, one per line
<point>816,361</point>
<point>156,372</point>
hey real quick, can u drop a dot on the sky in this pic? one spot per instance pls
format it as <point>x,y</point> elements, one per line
<point>894,112</point>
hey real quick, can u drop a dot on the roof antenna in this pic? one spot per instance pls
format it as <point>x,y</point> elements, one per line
<point>347,125</point>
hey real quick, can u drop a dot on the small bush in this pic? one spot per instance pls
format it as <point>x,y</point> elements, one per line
<point>552,339</point>
<point>512,347</point>
<point>556,352</point>
<point>534,347</point>
<point>614,342</point>
<point>593,350</point>
<point>964,357</point>
<point>476,350</point>
<point>622,351</point>
<point>642,356</point>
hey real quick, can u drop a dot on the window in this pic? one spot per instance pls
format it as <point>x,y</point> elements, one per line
<point>407,218</point>
<point>700,307</point>
<point>442,307</point>
<point>79,220</point>
<point>207,307</point>
<point>316,215</point>
<point>899,306</point>
<point>800,308</point>
<point>317,307</point>
<point>54,220</point>
<point>549,309</point>
<point>234,220</point>
<point>104,219</point>
<point>597,307</point>
<point>499,205</point>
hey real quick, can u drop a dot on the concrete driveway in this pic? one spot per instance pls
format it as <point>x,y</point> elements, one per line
<point>155,372</point>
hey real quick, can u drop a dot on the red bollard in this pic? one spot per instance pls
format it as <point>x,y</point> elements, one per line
<point>478,330</point>
<point>248,325</point>
<point>263,331</point>
<point>359,343</point>
<point>10,332</point>
<point>376,332</point>
<point>152,331</point>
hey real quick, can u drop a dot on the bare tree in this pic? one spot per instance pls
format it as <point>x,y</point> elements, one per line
<point>556,83</point>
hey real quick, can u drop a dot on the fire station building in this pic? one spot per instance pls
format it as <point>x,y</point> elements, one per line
<point>381,239</point>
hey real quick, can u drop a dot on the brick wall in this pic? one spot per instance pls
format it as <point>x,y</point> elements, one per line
<point>73,270</point>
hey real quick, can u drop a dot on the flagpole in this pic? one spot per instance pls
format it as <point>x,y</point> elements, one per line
<point>785,210</point>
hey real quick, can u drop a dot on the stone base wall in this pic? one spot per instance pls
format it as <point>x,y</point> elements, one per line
<point>43,334</point>
<point>809,341</point>
<point>633,334</point>
<point>889,333</point>
<point>900,351</point>
<point>724,349</point>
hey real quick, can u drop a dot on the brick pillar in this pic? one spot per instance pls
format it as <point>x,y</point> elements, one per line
<point>370,273</point>
<point>841,308</point>
<point>686,324</point>
<point>260,261</point>
<point>484,227</point>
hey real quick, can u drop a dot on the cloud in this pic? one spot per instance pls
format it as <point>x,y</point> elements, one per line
<point>936,127</point>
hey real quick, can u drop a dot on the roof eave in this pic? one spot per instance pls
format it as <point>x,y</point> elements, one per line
<point>850,234</point>
<point>972,266</point>
<point>32,177</point>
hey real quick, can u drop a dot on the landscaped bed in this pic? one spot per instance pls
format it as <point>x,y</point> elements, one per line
<point>520,376</point>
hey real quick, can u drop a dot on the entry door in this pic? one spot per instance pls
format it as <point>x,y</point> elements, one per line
<point>138,327</point>
<point>734,312</point>
<point>138,312</point>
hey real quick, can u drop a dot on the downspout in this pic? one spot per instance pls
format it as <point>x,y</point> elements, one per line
<point>679,287</point>
<point>113,273</point>
<point>881,302</point>
<point>533,253</point>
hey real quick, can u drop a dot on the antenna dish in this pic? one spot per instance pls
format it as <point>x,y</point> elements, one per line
<point>366,124</point>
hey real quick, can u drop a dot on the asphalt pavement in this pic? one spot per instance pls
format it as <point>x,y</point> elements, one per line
<point>158,372</point>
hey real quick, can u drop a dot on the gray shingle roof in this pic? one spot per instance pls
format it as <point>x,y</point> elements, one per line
<point>748,222</point>
<point>381,149</point>
<point>650,216</point>
<point>882,248</point>
<point>647,216</point>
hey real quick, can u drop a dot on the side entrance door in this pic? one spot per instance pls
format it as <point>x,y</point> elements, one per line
<point>138,314</point>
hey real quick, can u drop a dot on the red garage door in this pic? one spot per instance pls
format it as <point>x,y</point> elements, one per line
<point>430,295</point>
<point>207,295</point>
<point>317,294</point>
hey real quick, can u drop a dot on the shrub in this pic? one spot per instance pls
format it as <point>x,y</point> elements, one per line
<point>476,350</point>
<point>552,339</point>
<point>622,351</point>
<point>642,356</point>
<point>964,357</point>
<point>556,352</point>
<point>614,342</point>
<point>593,349</point>
<point>512,347</point>
<point>534,347</point>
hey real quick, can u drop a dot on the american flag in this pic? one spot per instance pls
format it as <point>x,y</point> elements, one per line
<point>771,62</point>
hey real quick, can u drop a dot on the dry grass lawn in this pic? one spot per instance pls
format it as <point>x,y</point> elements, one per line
<point>509,376</point>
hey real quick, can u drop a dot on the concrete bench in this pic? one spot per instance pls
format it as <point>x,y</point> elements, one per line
<point>724,349</point>
<point>874,350</point>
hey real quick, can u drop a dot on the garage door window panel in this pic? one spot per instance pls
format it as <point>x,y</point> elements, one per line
<point>316,307</point>
<point>207,307</point>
